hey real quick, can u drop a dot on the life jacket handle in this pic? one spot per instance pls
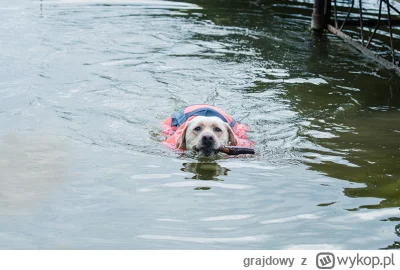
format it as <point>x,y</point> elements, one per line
<point>180,117</point>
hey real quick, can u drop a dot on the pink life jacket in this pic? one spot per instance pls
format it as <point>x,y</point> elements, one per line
<point>173,126</point>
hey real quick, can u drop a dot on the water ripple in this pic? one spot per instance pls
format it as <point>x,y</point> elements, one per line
<point>209,184</point>
<point>208,240</point>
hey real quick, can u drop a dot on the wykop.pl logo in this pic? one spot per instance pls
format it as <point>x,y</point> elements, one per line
<point>325,260</point>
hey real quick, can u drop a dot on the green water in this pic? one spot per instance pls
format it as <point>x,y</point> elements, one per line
<point>84,86</point>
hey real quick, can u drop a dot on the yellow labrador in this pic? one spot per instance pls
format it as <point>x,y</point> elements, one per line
<point>205,134</point>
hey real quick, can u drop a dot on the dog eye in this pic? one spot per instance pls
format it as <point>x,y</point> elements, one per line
<point>217,129</point>
<point>197,128</point>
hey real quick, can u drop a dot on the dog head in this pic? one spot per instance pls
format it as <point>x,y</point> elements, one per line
<point>205,135</point>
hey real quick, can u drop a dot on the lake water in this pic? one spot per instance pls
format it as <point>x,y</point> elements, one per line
<point>84,86</point>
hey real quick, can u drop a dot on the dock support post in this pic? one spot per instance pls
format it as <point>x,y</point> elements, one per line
<point>318,21</point>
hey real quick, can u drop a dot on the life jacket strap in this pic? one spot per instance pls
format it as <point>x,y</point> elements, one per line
<point>180,117</point>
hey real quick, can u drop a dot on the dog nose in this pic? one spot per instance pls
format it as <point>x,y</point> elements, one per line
<point>207,138</point>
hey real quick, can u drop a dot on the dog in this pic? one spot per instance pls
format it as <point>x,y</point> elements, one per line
<point>206,135</point>
<point>203,129</point>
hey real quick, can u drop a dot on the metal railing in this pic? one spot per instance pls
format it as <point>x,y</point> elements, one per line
<point>375,34</point>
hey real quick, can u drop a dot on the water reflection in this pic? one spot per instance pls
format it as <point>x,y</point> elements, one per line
<point>346,139</point>
<point>205,170</point>
<point>396,244</point>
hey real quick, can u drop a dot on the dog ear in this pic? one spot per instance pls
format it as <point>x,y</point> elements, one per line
<point>232,140</point>
<point>181,141</point>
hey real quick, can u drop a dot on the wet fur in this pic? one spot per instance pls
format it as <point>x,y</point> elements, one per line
<point>218,132</point>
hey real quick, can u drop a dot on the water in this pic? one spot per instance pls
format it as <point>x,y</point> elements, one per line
<point>84,86</point>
